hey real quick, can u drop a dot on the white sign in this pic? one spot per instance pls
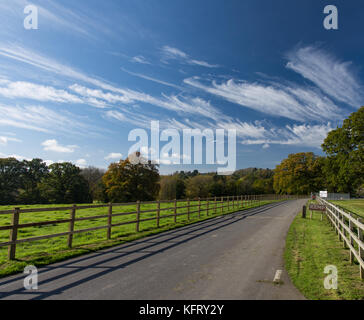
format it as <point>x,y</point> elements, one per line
<point>323,194</point>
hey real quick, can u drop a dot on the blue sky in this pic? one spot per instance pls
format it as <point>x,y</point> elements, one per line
<point>95,70</point>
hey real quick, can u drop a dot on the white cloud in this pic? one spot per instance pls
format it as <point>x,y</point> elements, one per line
<point>334,77</point>
<point>113,155</point>
<point>37,92</point>
<point>119,95</point>
<point>55,15</point>
<point>298,135</point>
<point>98,94</point>
<point>140,59</point>
<point>41,119</point>
<point>170,53</point>
<point>16,156</point>
<point>4,140</point>
<point>145,77</point>
<point>48,162</point>
<point>259,134</point>
<point>82,163</point>
<point>292,102</point>
<point>53,145</point>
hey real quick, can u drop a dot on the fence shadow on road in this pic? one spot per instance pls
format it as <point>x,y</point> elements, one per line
<point>169,240</point>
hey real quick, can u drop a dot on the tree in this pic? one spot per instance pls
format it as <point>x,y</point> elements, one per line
<point>33,172</point>
<point>344,147</point>
<point>65,184</point>
<point>11,171</point>
<point>128,181</point>
<point>199,186</point>
<point>172,187</point>
<point>94,176</point>
<point>300,173</point>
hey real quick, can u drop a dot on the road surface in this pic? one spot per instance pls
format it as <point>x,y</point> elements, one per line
<point>236,257</point>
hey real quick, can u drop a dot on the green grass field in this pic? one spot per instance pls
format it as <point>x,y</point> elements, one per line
<point>356,206</point>
<point>47,251</point>
<point>310,246</point>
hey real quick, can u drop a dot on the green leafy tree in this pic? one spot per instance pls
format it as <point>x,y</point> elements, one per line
<point>65,184</point>
<point>199,186</point>
<point>172,187</point>
<point>300,173</point>
<point>11,171</point>
<point>344,147</point>
<point>33,172</point>
<point>94,176</point>
<point>129,181</point>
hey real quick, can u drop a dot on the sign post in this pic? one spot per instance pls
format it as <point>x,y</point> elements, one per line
<point>317,207</point>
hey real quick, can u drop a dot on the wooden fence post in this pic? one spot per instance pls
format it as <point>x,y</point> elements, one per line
<point>158,213</point>
<point>304,212</point>
<point>351,239</point>
<point>13,233</point>
<point>361,251</point>
<point>71,225</point>
<point>228,199</point>
<point>188,209</point>
<point>137,216</point>
<point>109,222</point>
<point>222,204</point>
<point>199,207</point>
<point>208,207</point>
<point>175,210</point>
<point>215,205</point>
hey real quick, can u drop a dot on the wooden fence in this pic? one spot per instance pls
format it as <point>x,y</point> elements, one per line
<point>211,207</point>
<point>350,229</point>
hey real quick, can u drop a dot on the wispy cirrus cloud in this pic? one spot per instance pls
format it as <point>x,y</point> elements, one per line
<point>28,90</point>
<point>143,76</point>
<point>298,135</point>
<point>76,20</point>
<point>276,99</point>
<point>258,133</point>
<point>100,95</point>
<point>171,53</point>
<point>334,77</point>
<point>42,119</point>
<point>140,59</point>
<point>106,91</point>
<point>5,140</point>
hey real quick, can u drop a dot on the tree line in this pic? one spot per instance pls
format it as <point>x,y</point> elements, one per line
<point>341,170</point>
<point>34,182</point>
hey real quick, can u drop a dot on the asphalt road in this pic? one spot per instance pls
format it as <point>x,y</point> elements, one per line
<point>231,257</point>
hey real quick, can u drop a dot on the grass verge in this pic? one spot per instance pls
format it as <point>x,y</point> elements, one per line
<point>44,252</point>
<point>310,246</point>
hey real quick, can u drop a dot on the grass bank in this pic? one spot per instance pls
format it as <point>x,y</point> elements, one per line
<point>356,206</point>
<point>310,246</point>
<point>43,252</point>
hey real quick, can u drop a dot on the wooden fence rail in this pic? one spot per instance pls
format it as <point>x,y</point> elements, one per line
<point>210,204</point>
<point>350,230</point>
